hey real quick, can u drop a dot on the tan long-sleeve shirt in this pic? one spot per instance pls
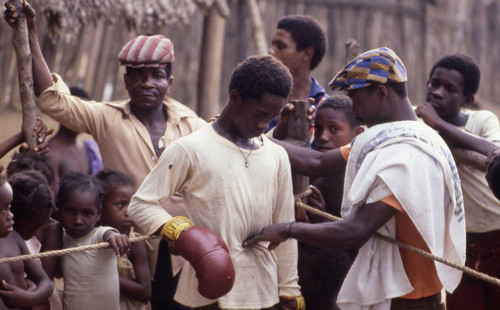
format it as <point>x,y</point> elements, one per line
<point>233,201</point>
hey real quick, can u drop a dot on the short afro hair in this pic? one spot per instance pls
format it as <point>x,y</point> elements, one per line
<point>30,161</point>
<point>306,31</point>
<point>32,195</point>
<point>111,180</point>
<point>466,66</point>
<point>81,182</point>
<point>340,103</point>
<point>257,75</point>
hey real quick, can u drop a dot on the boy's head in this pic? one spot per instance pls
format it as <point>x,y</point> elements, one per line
<point>453,82</point>
<point>32,202</point>
<point>335,125</point>
<point>375,81</point>
<point>79,202</point>
<point>148,78</point>
<point>299,38</point>
<point>6,217</point>
<point>118,190</point>
<point>258,89</point>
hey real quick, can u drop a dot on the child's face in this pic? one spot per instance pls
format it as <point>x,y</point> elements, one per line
<point>6,217</point>
<point>115,209</point>
<point>332,129</point>
<point>79,213</point>
<point>445,91</point>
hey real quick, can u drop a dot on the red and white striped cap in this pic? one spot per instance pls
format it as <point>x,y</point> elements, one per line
<point>147,51</point>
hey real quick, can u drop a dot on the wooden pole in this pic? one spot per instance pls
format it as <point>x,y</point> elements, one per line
<point>25,74</point>
<point>299,133</point>
<point>352,50</point>
<point>209,76</point>
<point>258,31</point>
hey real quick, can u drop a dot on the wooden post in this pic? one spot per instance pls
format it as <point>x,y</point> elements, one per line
<point>299,133</point>
<point>25,74</point>
<point>209,76</point>
<point>258,31</point>
<point>352,50</point>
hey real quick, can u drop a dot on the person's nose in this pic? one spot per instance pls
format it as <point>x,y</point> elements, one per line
<point>272,51</point>
<point>147,80</point>
<point>324,136</point>
<point>438,92</point>
<point>78,220</point>
<point>263,125</point>
<point>10,215</point>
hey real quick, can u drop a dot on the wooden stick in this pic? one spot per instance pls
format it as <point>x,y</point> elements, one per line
<point>258,31</point>
<point>25,74</point>
<point>474,159</point>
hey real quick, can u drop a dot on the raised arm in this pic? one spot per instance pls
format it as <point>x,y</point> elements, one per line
<point>456,136</point>
<point>42,78</point>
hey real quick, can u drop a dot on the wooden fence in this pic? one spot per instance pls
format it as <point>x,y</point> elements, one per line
<point>419,31</point>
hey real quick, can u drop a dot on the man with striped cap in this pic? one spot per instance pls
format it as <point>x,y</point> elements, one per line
<point>131,133</point>
<point>400,181</point>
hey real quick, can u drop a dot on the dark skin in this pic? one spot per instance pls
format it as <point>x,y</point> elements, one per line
<point>40,130</point>
<point>67,153</point>
<point>146,86</point>
<point>284,48</point>
<point>351,233</point>
<point>443,111</point>
<point>115,214</point>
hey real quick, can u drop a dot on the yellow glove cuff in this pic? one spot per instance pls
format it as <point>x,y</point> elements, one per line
<point>173,228</point>
<point>301,303</point>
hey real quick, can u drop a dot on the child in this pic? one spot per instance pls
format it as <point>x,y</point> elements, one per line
<point>335,126</point>
<point>133,268</point>
<point>15,291</point>
<point>322,271</point>
<point>49,235</point>
<point>90,277</point>
<point>453,82</point>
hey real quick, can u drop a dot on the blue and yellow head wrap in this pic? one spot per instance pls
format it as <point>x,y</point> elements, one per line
<point>377,66</point>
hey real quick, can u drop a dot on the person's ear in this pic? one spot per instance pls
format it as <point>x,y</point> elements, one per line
<point>308,54</point>
<point>468,101</point>
<point>359,130</point>
<point>170,80</point>
<point>382,91</point>
<point>235,97</point>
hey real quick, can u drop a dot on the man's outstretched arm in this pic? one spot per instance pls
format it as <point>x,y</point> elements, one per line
<point>346,234</point>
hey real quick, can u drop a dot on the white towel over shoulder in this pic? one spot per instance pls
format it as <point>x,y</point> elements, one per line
<point>410,161</point>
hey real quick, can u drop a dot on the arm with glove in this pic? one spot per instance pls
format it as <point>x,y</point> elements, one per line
<point>202,248</point>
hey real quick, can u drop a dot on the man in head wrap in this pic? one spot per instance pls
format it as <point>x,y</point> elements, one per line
<point>400,181</point>
<point>131,133</point>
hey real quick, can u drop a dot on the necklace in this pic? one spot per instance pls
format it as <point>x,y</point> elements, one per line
<point>239,149</point>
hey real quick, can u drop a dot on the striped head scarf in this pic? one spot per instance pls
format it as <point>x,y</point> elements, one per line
<point>147,51</point>
<point>377,66</point>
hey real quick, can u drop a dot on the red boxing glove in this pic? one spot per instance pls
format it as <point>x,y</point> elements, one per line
<point>206,252</point>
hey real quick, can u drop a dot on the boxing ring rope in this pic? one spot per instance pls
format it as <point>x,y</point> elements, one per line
<point>471,272</point>
<point>104,245</point>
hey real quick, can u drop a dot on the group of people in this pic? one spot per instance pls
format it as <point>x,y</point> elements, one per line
<point>225,187</point>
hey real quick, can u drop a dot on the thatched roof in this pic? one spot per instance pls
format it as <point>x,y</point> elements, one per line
<point>68,16</point>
